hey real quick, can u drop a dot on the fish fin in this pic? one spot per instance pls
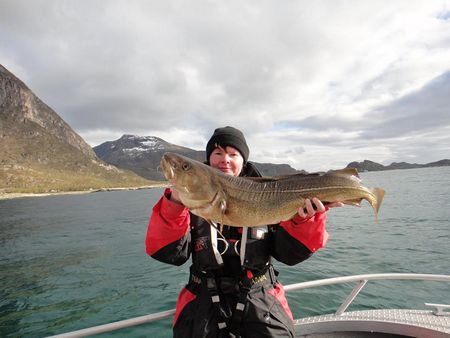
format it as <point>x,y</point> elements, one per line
<point>351,173</point>
<point>280,177</point>
<point>223,206</point>
<point>345,171</point>
<point>355,202</point>
<point>379,195</point>
<point>223,210</point>
<point>208,208</point>
<point>260,179</point>
<point>296,175</point>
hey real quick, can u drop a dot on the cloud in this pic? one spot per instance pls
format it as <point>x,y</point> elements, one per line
<point>414,114</point>
<point>339,78</point>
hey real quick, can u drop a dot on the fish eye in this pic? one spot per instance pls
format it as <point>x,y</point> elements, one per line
<point>185,166</point>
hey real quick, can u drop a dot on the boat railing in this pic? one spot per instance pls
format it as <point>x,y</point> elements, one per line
<point>361,281</point>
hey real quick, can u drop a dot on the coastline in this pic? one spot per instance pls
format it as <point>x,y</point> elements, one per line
<point>9,196</point>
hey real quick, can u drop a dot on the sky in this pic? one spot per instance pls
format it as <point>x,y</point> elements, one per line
<point>315,84</point>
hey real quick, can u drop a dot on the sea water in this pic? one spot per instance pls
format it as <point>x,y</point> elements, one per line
<point>73,261</point>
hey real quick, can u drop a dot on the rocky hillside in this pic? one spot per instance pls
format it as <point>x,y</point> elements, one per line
<point>142,155</point>
<point>23,111</point>
<point>40,152</point>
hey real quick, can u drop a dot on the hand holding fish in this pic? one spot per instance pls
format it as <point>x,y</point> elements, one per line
<point>315,205</point>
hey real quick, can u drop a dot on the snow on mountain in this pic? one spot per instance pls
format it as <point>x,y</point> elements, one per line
<point>142,154</point>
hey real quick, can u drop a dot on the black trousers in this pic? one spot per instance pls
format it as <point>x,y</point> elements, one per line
<point>265,315</point>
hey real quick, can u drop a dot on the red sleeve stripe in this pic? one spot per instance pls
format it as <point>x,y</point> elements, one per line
<point>311,232</point>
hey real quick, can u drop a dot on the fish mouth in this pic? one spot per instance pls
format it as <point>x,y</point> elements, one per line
<point>167,167</point>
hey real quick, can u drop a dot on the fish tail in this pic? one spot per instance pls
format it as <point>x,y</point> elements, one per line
<point>378,193</point>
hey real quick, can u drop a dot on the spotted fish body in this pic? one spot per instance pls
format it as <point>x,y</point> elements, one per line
<point>245,201</point>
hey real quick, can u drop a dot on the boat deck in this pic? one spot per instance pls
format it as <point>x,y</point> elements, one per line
<point>398,322</point>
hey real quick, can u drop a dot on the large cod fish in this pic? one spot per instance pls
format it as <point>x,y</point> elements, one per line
<point>247,201</point>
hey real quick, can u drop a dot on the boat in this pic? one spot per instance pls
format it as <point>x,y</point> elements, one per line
<point>432,322</point>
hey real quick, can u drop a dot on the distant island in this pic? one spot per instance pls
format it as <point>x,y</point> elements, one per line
<point>367,165</point>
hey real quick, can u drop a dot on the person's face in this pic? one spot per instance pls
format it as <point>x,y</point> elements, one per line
<point>228,160</point>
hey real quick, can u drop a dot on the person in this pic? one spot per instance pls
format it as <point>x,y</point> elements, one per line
<point>233,290</point>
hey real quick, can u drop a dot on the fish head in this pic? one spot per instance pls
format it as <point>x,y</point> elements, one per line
<point>193,180</point>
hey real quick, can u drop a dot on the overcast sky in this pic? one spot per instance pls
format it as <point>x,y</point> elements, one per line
<point>316,84</point>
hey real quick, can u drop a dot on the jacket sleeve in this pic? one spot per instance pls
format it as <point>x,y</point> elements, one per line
<point>297,239</point>
<point>168,237</point>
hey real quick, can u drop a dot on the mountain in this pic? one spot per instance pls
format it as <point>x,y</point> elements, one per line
<point>367,165</point>
<point>271,169</point>
<point>40,152</point>
<point>142,154</point>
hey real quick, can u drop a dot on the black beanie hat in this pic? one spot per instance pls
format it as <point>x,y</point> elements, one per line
<point>228,136</point>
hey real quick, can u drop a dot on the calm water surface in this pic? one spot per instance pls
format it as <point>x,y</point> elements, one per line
<point>70,262</point>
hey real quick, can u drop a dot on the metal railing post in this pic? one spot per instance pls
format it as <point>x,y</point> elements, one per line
<point>351,297</point>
